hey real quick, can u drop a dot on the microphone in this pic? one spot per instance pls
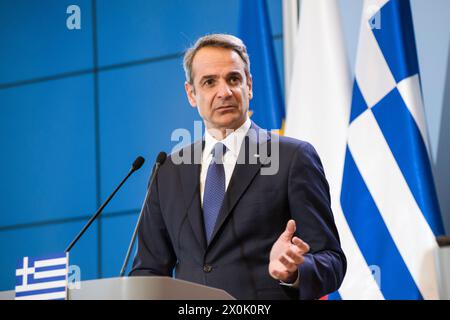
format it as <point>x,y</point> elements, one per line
<point>159,162</point>
<point>137,164</point>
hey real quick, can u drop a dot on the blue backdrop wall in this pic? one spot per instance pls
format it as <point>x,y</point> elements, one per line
<point>77,107</point>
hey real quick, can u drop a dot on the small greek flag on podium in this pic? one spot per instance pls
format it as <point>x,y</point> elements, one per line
<point>42,278</point>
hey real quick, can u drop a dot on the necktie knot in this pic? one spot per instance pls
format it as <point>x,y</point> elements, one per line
<point>218,152</point>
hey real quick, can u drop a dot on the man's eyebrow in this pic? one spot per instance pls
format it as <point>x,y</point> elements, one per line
<point>208,76</point>
<point>234,73</point>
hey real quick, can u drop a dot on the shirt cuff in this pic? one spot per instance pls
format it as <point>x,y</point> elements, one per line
<point>294,284</point>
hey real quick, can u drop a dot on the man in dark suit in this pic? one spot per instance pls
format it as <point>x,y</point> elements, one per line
<point>242,210</point>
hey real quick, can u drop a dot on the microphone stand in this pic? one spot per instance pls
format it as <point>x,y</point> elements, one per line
<point>133,238</point>
<point>136,165</point>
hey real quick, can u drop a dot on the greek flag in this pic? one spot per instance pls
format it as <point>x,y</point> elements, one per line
<point>388,196</point>
<point>42,278</point>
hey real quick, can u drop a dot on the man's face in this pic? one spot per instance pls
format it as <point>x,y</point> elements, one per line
<point>220,90</point>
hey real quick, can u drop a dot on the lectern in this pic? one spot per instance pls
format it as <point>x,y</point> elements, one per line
<point>442,257</point>
<point>140,288</point>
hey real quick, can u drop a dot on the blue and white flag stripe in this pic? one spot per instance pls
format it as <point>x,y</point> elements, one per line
<point>44,296</point>
<point>388,196</point>
<point>42,278</point>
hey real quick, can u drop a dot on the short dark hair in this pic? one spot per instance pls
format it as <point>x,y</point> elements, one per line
<point>225,41</point>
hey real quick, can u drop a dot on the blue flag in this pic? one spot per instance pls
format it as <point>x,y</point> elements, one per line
<point>388,195</point>
<point>267,105</point>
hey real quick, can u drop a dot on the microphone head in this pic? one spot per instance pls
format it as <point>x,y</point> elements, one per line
<point>161,158</point>
<point>137,164</point>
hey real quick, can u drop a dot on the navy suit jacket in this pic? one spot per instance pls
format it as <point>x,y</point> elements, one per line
<point>255,211</point>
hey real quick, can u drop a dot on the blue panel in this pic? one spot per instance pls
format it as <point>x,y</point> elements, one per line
<point>276,16</point>
<point>47,136</point>
<point>36,41</point>
<point>42,240</point>
<point>116,236</point>
<point>142,29</point>
<point>139,109</point>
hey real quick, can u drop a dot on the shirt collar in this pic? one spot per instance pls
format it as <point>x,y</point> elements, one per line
<point>233,141</point>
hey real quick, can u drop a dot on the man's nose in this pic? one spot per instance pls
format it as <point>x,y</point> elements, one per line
<point>224,90</point>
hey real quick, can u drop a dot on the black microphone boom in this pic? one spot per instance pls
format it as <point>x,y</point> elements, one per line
<point>159,162</point>
<point>137,164</point>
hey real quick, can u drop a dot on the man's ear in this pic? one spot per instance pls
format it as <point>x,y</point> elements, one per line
<point>190,94</point>
<point>250,87</point>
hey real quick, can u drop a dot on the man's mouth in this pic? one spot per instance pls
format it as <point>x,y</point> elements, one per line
<point>225,108</point>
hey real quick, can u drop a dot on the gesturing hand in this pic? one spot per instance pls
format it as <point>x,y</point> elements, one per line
<point>287,254</point>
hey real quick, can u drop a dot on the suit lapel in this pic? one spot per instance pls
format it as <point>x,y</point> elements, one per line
<point>247,166</point>
<point>190,182</point>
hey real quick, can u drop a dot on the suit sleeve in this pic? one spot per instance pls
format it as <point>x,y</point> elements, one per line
<point>309,201</point>
<point>155,255</point>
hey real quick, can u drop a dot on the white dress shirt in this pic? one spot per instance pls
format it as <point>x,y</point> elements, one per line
<point>233,143</point>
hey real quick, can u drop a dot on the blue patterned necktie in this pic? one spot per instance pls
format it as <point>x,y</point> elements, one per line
<point>214,189</point>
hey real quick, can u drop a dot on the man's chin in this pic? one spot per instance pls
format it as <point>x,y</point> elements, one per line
<point>230,122</point>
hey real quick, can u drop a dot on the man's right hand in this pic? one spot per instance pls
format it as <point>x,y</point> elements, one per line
<point>287,255</point>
